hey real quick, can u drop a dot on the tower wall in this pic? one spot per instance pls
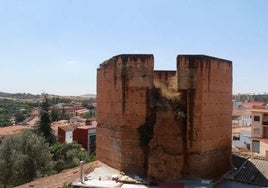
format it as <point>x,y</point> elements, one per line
<point>206,86</point>
<point>123,85</point>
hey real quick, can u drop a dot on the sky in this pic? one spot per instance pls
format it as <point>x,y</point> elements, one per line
<point>56,46</point>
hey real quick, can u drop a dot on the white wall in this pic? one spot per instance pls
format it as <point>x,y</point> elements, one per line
<point>263,149</point>
<point>246,120</point>
<point>256,125</point>
<point>245,138</point>
<point>69,137</point>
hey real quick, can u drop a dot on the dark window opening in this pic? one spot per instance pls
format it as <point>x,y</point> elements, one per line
<point>265,119</point>
<point>256,118</point>
<point>236,137</point>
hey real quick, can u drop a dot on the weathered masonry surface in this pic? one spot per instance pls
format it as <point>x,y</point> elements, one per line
<point>165,124</point>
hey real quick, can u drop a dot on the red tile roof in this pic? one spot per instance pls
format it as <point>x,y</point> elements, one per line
<point>14,129</point>
<point>68,127</point>
<point>253,104</point>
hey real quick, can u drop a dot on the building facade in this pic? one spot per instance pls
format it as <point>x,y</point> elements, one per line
<point>259,130</point>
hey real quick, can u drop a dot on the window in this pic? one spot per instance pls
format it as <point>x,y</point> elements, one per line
<point>236,137</point>
<point>256,146</point>
<point>256,118</point>
<point>256,132</point>
<point>92,143</point>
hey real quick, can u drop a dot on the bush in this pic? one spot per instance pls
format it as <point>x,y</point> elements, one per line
<point>24,157</point>
<point>69,155</point>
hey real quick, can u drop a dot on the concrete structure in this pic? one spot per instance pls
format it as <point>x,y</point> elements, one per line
<point>69,108</point>
<point>65,133</point>
<point>81,112</point>
<point>56,124</point>
<point>77,120</point>
<point>86,136</point>
<point>259,130</point>
<point>165,124</point>
<point>242,137</point>
<point>241,118</point>
<point>83,134</point>
<point>247,172</point>
<point>264,148</point>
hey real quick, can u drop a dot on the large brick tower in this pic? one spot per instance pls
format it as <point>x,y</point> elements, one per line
<point>186,115</point>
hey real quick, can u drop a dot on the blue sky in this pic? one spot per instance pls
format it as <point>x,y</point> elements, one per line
<point>56,46</point>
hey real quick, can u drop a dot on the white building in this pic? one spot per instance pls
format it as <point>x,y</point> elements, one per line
<point>259,130</point>
<point>241,137</point>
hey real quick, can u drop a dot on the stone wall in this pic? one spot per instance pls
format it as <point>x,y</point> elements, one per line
<point>184,115</point>
<point>123,85</point>
<point>206,84</point>
<point>165,159</point>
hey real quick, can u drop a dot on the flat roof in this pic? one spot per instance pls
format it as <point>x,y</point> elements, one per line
<point>239,129</point>
<point>265,110</point>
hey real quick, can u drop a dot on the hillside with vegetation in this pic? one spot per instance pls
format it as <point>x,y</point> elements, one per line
<point>15,111</point>
<point>15,108</point>
<point>19,95</point>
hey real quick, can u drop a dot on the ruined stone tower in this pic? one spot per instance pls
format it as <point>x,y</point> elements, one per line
<point>165,124</point>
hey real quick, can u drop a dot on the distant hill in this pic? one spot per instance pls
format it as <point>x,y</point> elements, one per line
<point>89,95</point>
<point>29,96</point>
<point>19,95</point>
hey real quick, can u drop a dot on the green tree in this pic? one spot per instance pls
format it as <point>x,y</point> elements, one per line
<point>87,115</point>
<point>24,157</point>
<point>44,125</point>
<point>20,117</point>
<point>4,118</point>
<point>64,115</point>
<point>57,115</point>
<point>54,114</point>
<point>69,155</point>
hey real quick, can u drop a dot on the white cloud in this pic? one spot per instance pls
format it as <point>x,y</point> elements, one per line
<point>71,62</point>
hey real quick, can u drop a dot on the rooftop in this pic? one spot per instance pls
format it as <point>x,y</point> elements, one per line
<point>239,129</point>
<point>253,104</point>
<point>264,140</point>
<point>264,110</point>
<point>241,112</point>
<point>82,110</point>
<point>249,170</point>
<point>61,179</point>
<point>87,127</point>
<point>14,129</point>
<point>69,127</point>
<point>56,124</point>
<point>100,175</point>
